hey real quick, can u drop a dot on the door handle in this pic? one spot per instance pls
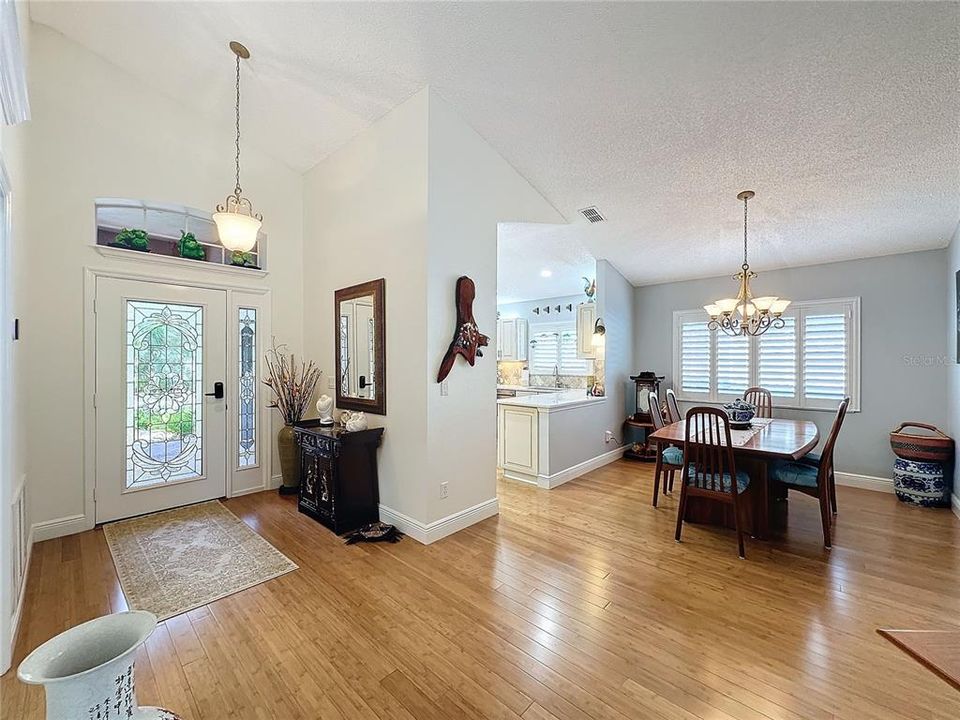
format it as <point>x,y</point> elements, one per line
<point>217,391</point>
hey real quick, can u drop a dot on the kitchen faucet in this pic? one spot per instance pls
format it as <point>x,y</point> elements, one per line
<point>556,376</point>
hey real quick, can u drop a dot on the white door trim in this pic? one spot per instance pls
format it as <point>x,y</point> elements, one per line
<point>90,276</point>
<point>9,614</point>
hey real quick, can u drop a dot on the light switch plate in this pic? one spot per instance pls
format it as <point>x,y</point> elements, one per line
<point>444,389</point>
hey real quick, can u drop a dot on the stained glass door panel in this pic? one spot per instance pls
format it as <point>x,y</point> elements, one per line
<point>160,429</point>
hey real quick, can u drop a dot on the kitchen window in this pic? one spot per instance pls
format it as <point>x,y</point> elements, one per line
<point>812,362</point>
<point>554,346</point>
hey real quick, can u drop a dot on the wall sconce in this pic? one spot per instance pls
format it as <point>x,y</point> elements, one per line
<point>599,330</point>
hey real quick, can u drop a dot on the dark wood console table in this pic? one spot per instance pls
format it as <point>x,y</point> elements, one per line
<point>338,475</point>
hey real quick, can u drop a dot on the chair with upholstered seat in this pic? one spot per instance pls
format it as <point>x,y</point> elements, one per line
<point>709,471</point>
<point>814,478</point>
<point>761,399</point>
<point>673,410</point>
<point>669,459</point>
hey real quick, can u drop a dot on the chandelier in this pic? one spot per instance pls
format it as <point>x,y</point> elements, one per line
<point>237,224</point>
<point>745,314</point>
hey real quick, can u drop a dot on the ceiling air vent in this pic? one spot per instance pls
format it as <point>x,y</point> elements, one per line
<point>592,214</point>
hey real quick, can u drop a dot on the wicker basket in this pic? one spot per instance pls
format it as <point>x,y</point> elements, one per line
<point>937,447</point>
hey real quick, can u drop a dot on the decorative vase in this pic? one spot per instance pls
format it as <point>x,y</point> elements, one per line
<point>88,671</point>
<point>740,412</point>
<point>287,446</point>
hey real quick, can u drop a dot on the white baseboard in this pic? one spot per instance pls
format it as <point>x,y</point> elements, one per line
<point>275,482</point>
<point>552,481</point>
<point>58,527</point>
<point>427,533</point>
<point>955,504</point>
<point>865,482</point>
<point>248,491</point>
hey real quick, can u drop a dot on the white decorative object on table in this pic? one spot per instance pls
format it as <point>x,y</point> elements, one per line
<point>325,409</point>
<point>353,421</point>
<point>88,670</point>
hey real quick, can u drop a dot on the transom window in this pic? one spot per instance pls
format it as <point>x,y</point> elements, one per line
<point>553,346</point>
<point>813,361</point>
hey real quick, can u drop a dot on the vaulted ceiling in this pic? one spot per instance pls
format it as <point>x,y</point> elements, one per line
<point>843,117</point>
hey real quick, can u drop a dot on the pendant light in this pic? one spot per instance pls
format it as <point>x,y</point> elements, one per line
<point>756,315</point>
<point>237,223</point>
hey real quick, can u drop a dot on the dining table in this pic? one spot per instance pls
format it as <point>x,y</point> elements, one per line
<point>754,447</point>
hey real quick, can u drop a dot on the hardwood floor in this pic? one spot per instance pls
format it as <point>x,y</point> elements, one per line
<point>573,603</point>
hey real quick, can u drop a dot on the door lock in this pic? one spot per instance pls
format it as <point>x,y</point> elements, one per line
<point>217,391</point>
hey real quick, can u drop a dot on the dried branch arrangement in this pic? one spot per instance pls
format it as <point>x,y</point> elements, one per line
<point>292,384</point>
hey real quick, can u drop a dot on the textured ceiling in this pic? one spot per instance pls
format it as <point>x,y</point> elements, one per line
<point>842,116</point>
<point>525,250</point>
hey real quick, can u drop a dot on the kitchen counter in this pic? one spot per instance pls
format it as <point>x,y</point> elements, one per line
<point>530,388</point>
<point>552,400</point>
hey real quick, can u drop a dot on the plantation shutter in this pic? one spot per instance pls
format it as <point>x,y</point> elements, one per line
<point>544,348</point>
<point>777,360</point>
<point>695,357</point>
<point>733,364</point>
<point>570,364</point>
<point>825,356</point>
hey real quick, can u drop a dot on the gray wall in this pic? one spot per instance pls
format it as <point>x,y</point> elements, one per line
<point>952,265</point>
<point>616,305</point>
<point>902,351</point>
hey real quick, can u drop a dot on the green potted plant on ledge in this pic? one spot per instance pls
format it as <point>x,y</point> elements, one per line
<point>188,247</point>
<point>292,385</point>
<point>239,258</point>
<point>132,240</point>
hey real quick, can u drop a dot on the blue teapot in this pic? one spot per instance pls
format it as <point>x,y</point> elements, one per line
<point>740,411</point>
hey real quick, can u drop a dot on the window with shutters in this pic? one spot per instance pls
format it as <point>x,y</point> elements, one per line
<point>554,346</point>
<point>811,362</point>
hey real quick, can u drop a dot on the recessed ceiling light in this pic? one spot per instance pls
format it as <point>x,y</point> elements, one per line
<point>546,273</point>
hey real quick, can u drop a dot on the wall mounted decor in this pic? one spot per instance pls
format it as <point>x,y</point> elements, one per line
<point>467,338</point>
<point>589,288</point>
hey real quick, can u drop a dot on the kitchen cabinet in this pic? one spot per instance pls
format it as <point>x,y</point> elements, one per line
<point>519,443</point>
<point>586,319</point>
<point>512,339</point>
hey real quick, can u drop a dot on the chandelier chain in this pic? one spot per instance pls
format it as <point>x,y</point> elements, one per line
<point>238,190</point>
<point>745,263</point>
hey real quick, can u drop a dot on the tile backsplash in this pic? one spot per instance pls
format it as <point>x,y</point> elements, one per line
<point>511,373</point>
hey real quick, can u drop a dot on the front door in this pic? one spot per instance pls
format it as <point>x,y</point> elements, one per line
<point>161,417</point>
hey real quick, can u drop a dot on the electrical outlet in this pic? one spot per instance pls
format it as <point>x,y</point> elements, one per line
<point>607,436</point>
<point>444,391</point>
<point>443,490</point>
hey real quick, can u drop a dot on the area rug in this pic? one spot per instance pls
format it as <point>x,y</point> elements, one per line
<point>177,560</point>
<point>937,650</point>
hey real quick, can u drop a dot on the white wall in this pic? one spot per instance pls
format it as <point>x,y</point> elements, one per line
<point>97,132</point>
<point>365,217</point>
<point>416,199</point>
<point>14,464</point>
<point>471,189</point>
<point>902,316</point>
<point>953,368</point>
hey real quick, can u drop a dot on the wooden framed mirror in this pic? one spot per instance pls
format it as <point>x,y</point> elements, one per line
<point>359,339</point>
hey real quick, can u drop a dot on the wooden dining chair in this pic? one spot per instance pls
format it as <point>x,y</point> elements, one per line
<point>669,459</point>
<point>709,470</point>
<point>673,410</point>
<point>815,479</point>
<point>761,399</point>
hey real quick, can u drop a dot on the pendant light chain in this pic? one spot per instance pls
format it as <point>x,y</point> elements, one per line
<point>238,190</point>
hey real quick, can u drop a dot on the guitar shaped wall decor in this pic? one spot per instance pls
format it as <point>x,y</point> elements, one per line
<point>467,338</point>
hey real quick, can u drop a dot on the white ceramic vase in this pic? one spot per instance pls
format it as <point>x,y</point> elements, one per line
<point>88,671</point>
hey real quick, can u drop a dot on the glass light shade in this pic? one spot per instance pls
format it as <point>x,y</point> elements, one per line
<point>727,305</point>
<point>747,310</point>
<point>712,310</point>
<point>779,306</point>
<point>764,303</point>
<point>237,232</point>
<point>597,340</point>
